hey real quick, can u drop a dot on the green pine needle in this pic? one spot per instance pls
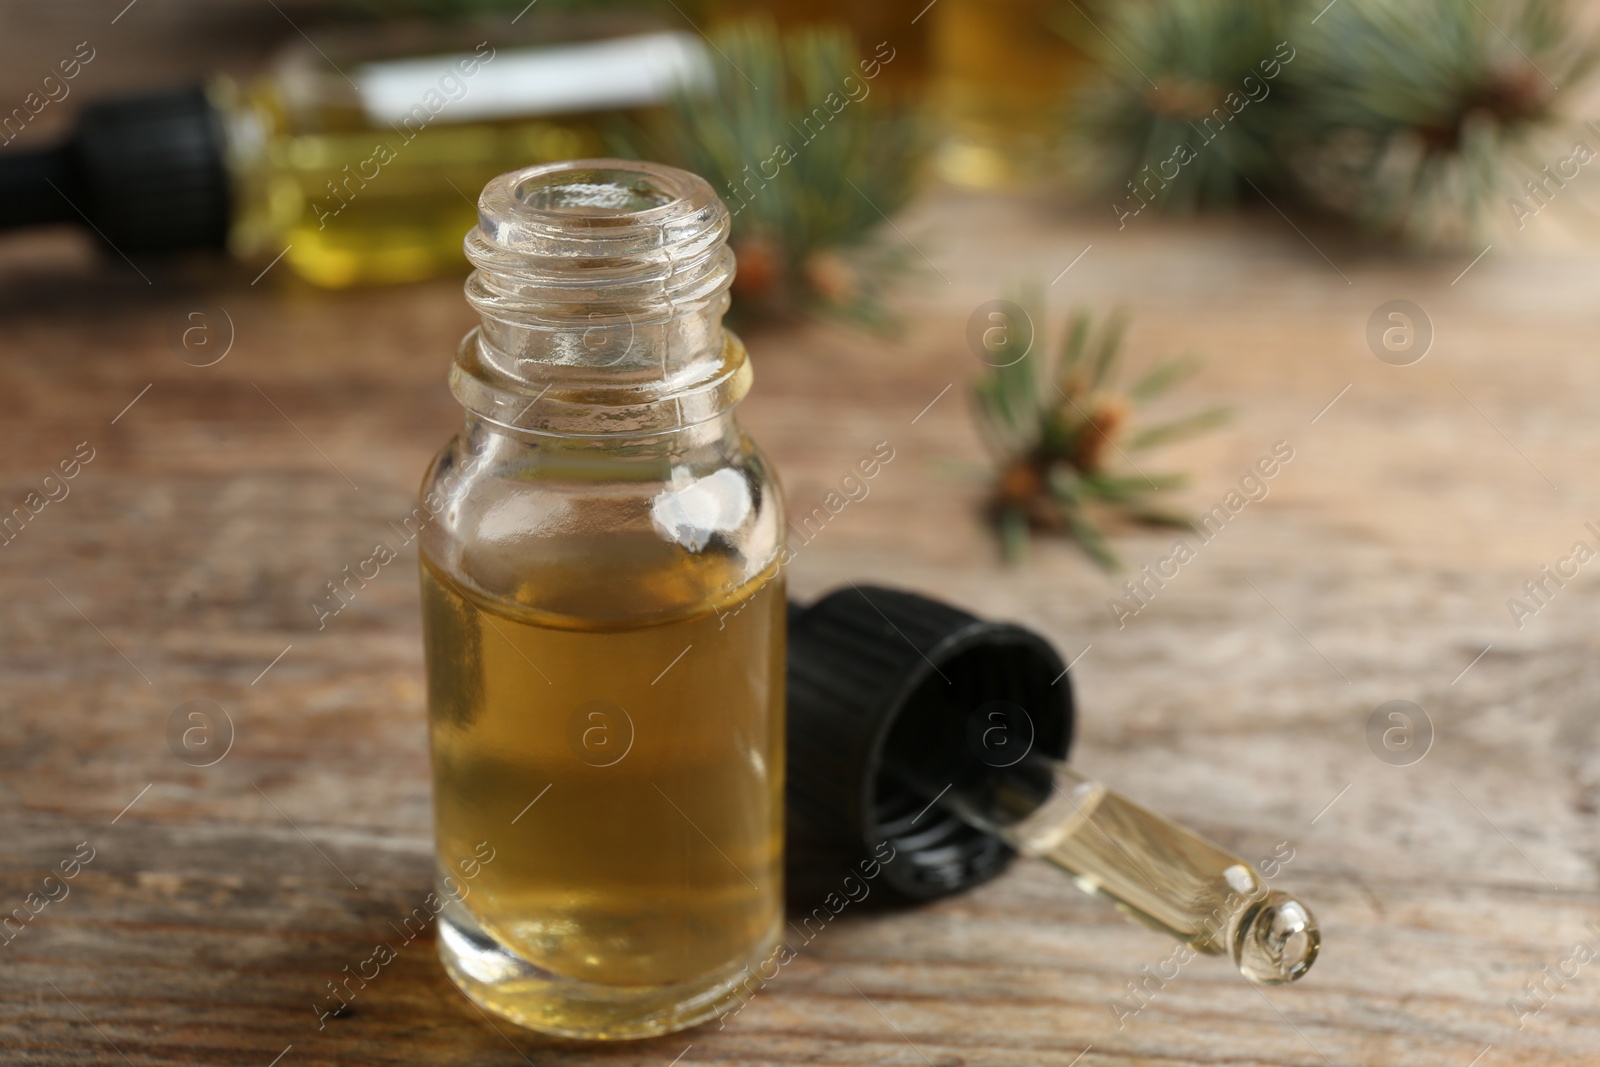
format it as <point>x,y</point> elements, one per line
<point>1014,534</point>
<point>1093,541</point>
<point>1164,377</point>
<point>1177,430</point>
<point>1134,486</point>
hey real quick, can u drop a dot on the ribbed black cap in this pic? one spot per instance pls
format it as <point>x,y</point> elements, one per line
<point>152,171</point>
<point>893,696</point>
<point>149,172</point>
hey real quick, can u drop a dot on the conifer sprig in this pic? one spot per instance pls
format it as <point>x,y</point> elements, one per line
<point>1194,73</point>
<point>1416,118</point>
<point>1058,427</point>
<point>1420,118</point>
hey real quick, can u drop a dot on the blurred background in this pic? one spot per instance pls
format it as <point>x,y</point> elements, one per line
<point>1085,266</point>
<point>1126,110</point>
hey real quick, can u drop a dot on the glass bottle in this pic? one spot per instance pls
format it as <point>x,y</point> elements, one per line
<point>368,178</point>
<point>603,616</point>
<point>355,160</point>
<point>1001,73</point>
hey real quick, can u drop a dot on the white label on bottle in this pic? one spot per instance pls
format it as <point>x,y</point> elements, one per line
<point>595,75</point>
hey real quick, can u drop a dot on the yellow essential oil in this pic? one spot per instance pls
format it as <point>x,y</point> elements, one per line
<point>629,779</point>
<point>373,207</point>
<point>365,171</point>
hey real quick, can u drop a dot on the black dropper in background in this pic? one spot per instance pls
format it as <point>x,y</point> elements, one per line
<point>915,724</point>
<point>146,173</point>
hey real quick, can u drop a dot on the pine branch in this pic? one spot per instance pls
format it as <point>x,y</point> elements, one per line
<point>1052,446</point>
<point>1171,73</point>
<point>1420,119</point>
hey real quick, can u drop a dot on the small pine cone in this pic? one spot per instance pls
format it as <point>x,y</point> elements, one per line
<point>760,268</point>
<point>831,278</point>
<point>1020,484</point>
<point>1183,98</point>
<point>1106,419</point>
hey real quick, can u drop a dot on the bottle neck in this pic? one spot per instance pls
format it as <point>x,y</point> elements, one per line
<point>600,287</point>
<point>709,443</point>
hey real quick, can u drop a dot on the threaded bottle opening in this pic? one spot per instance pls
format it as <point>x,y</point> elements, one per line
<point>628,231</point>
<point>601,286</point>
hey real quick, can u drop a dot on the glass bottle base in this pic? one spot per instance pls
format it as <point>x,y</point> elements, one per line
<point>508,986</point>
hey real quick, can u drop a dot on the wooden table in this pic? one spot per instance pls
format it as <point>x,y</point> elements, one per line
<point>221,899</point>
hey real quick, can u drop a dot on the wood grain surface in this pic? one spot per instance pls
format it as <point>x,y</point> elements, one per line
<point>221,899</point>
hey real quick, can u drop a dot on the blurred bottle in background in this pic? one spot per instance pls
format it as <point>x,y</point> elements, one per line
<point>902,24</point>
<point>357,159</point>
<point>1001,73</point>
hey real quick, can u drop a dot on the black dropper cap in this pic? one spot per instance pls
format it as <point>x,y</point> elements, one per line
<point>148,173</point>
<point>892,696</point>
